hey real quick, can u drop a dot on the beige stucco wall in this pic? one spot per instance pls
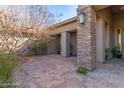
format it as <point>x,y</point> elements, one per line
<point>107,18</point>
<point>66,27</point>
<point>53,44</point>
<point>118,21</point>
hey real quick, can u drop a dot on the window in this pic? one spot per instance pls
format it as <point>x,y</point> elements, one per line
<point>118,37</point>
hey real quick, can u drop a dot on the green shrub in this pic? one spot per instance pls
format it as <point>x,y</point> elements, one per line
<point>115,52</point>
<point>39,46</point>
<point>82,70</point>
<point>43,45</point>
<point>35,47</point>
<point>7,63</point>
<point>108,50</point>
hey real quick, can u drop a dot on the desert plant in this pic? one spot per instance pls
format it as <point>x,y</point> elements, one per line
<point>7,63</point>
<point>82,70</point>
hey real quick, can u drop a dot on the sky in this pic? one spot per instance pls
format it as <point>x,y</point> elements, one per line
<point>68,11</point>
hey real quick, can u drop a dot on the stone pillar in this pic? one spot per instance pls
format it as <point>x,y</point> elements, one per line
<point>86,38</point>
<point>65,44</point>
<point>100,40</point>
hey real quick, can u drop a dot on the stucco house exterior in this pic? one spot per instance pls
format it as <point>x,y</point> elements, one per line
<point>103,28</point>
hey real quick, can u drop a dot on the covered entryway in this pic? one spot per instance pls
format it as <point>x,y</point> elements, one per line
<point>64,38</point>
<point>102,28</point>
<point>64,43</point>
<point>110,30</point>
<point>68,43</point>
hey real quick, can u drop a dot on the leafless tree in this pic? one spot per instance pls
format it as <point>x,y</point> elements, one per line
<point>21,23</point>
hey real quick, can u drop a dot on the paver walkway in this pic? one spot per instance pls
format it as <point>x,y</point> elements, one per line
<point>59,72</point>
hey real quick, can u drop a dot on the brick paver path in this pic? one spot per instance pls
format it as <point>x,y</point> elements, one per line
<point>56,71</point>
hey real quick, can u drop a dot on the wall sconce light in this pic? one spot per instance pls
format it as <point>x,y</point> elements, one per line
<point>82,18</point>
<point>122,7</point>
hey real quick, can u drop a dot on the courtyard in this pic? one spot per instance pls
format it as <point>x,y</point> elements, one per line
<point>55,71</point>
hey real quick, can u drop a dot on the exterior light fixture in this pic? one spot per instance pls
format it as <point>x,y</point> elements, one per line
<point>122,7</point>
<point>82,18</point>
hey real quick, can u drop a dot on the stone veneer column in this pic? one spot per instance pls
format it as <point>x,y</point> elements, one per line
<point>86,38</point>
<point>65,44</point>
